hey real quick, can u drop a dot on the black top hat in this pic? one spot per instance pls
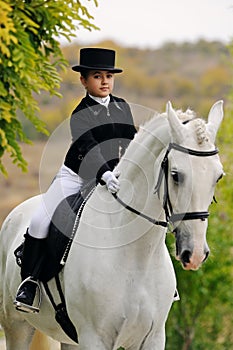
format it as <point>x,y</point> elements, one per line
<point>96,58</point>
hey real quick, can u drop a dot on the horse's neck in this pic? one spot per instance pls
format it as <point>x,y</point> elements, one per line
<point>106,223</point>
<point>139,170</point>
<point>131,238</point>
<point>138,177</point>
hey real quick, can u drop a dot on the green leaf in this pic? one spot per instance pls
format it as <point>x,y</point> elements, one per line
<point>30,56</point>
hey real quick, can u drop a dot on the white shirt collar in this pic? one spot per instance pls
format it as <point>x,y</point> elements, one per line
<point>103,101</point>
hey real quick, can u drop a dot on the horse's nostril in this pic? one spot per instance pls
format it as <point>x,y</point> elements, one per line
<point>185,257</point>
<point>206,256</point>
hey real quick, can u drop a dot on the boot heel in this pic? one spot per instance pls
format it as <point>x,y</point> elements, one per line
<point>32,264</point>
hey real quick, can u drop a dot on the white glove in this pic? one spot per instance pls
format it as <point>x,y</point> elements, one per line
<point>112,183</point>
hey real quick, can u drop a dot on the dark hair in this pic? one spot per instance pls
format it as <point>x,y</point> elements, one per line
<point>84,73</point>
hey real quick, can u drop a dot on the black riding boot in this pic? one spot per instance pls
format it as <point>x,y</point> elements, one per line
<point>32,262</point>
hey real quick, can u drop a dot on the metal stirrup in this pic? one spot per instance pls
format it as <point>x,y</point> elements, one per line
<point>25,307</point>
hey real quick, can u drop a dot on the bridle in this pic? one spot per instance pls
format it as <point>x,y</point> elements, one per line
<point>171,217</point>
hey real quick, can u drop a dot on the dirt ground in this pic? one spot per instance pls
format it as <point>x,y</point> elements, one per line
<point>43,164</point>
<point>19,186</point>
<point>52,345</point>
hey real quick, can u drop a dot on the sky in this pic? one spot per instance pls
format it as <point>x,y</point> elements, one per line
<point>151,23</point>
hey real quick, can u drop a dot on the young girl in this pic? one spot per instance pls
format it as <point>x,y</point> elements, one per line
<point>101,127</point>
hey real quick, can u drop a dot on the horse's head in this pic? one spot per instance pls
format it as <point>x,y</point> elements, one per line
<point>192,169</point>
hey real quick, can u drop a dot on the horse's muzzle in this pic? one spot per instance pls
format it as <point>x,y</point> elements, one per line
<point>190,262</point>
<point>190,257</point>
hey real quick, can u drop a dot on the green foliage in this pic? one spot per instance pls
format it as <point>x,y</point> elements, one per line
<point>29,38</point>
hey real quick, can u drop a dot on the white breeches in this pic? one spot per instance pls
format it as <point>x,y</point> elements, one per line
<point>65,184</point>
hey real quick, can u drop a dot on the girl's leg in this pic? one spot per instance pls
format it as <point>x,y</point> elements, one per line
<point>65,184</point>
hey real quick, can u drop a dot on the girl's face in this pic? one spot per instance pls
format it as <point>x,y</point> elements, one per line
<point>98,83</point>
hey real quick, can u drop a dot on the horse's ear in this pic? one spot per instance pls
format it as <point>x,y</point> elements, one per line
<point>214,119</point>
<point>175,123</point>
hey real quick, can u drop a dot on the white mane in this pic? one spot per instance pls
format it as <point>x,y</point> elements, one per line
<point>158,127</point>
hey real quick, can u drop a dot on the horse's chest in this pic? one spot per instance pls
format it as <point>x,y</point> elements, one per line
<point>144,306</point>
<point>139,314</point>
<point>136,318</point>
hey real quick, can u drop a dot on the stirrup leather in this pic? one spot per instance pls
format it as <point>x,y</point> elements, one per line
<point>25,307</point>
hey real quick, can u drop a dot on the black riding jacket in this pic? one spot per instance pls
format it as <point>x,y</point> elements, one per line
<point>100,136</point>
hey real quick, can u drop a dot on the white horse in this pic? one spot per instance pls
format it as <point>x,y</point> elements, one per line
<point>119,281</point>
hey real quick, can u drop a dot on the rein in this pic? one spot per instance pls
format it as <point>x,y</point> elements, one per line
<point>170,216</point>
<point>148,218</point>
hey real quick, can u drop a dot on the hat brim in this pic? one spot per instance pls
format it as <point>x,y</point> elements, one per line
<point>79,68</point>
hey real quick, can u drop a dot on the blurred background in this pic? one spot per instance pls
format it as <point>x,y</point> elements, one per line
<point>179,51</point>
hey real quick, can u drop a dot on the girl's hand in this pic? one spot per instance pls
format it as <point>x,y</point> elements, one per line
<point>112,183</point>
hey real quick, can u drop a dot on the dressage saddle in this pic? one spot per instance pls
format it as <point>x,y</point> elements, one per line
<point>61,233</point>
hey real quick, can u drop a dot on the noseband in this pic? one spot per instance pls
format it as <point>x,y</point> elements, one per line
<point>167,206</point>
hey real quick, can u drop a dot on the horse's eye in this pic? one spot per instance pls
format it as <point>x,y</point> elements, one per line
<point>177,177</point>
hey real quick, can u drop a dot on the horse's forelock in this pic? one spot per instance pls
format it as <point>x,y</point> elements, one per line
<point>201,132</point>
<point>198,123</point>
<point>186,116</point>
